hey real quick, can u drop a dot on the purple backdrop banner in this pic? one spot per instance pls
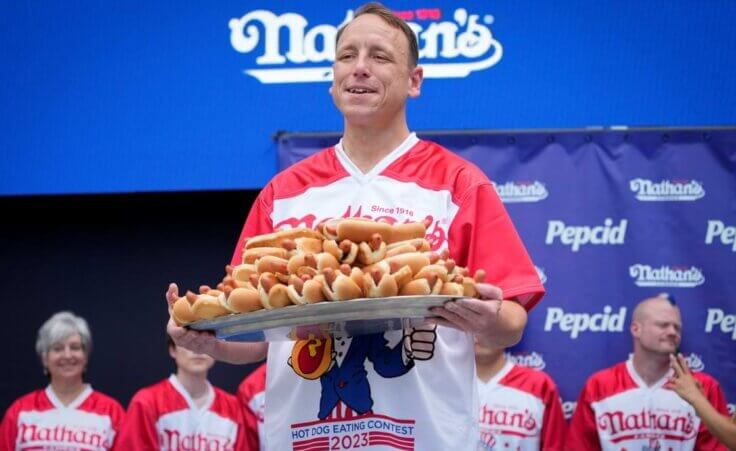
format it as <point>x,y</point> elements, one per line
<point>611,217</point>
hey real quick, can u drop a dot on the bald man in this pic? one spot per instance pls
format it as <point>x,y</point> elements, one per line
<point>627,406</point>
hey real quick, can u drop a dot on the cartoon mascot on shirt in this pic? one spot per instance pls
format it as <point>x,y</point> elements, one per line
<point>348,381</point>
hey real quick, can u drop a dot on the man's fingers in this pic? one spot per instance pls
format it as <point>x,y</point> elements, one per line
<point>683,363</point>
<point>488,291</point>
<point>469,316</point>
<point>451,317</point>
<point>444,322</point>
<point>675,364</point>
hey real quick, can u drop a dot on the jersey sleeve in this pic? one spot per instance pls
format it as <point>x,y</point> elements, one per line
<point>554,427</point>
<point>138,429</point>
<point>583,433</point>
<point>117,418</point>
<point>250,386</point>
<point>482,236</point>
<point>9,427</point>
<point>712,390</point>
<point>258,222</point>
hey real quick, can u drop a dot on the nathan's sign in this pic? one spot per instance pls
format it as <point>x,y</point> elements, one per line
<point>449,47</point>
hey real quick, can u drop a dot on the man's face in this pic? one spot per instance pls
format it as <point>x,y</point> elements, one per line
<point>372,78</point>
<point>659,331</point>
<point>190,361</point>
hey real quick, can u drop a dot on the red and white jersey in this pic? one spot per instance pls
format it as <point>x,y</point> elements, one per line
<point>165,417</point>
<point>618,411</point>
<point>425,405</point>
<point>520,409</point>
<point>252,397</point>
<point>39,421</point>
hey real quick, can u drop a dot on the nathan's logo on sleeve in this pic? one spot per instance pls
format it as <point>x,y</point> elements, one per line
<point>541,274</point>
<point>577,236</point>
<point>575,323</point>
<point>666,276</point>
<point>726,234</point>
<point>718,318</point>
<point>666,190</point>
<point>512,192</point>
<point>452,44</point>
<point>532,360</point>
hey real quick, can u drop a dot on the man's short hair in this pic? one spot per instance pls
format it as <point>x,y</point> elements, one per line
<point>393,21</point>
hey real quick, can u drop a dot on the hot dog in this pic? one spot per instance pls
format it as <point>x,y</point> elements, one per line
<point>277,239</point>
<point>272,293</point>
<point>304,290</point>
<point>373,251</point>
<point>337,286</point>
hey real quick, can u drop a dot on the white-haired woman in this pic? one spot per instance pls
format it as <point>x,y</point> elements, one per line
<point>67,414</point>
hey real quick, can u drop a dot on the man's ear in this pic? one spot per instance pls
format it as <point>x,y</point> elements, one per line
<point>416,77</point>
<point>635,328</point>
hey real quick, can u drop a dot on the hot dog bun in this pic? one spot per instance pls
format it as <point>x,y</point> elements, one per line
<point>407,231</point>
<point>277,239</point>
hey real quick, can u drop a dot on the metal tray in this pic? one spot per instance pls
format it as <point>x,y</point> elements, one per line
<point>296,322</point>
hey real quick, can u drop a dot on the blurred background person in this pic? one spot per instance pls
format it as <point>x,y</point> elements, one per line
<point>520,407</point>
<point>628,406</point>
<point>68,414</point>
<point>252,397</point>
<point>183,411</point>
<point>689,389</point>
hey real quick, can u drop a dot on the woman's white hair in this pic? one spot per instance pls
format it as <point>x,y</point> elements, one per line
<point>58,328</point>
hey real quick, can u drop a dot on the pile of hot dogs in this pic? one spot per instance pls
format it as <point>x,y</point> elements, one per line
<point>344,259</point>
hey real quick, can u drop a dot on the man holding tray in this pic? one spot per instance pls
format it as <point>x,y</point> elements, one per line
<point>397,390</point>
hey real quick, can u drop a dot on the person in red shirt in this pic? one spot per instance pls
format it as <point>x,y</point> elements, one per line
<point>629,405</point>
<point>252,397</point>
<point>183,412</point>
<point>384,388</point>
<point>519,407</point>
<point>68,414</point>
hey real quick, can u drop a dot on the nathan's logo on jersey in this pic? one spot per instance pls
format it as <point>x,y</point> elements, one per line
<point>575,323</point>
<point>174,439</point>
<point>568,408</point>
<point>452,44</point>
<point>619,425</point>
<point>509,419</point>
<point>61,435</point>
<point>667,190</point>
<point>725,322</point>
<point>541,274</point>
<point>577,236</point>
<point>511,192</point>
<point>666,276</point>
<point>726,234</point>
<point>532,360</point>
<point>436,230</point>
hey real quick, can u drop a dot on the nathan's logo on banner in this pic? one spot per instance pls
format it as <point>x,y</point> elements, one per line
<point>577,236</point>
<point>532,360</point>
<point>452,44</point>
<point>511,192</point>
<point>541,274</point>
<point>726,234</point>
<point>667,190</point>
<point>725,322</point>
<point>695,362</point>
<point>666,276</point>
<point>575,323</point>
<point>568,408</point>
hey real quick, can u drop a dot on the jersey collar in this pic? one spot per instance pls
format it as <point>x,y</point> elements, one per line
<point>395,154</point>
<point>188,398</point>
<point>638,380</point>
<point>507,367</point>
<point>72,405</point>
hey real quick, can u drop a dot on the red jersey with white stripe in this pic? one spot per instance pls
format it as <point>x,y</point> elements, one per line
<point>426,405</point>
<point>520,409</point>
<point>164,416</point>
<point>618,411</point>
<point>39,421</point>
<point>252,397</point>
